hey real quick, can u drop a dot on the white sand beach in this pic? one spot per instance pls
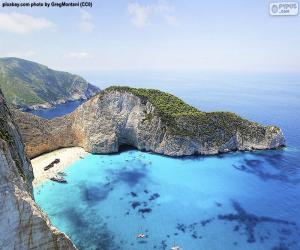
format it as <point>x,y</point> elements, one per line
<point>66,156</point>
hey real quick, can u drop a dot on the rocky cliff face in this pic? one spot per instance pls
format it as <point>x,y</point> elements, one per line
<point>149,120</point>
<point>22,224</point>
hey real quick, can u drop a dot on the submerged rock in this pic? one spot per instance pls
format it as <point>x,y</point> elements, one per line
<point>145,210</point>
<point>250,221</point>
<point>148,120</point>
<point>154,197</point>
<point>22,223</point>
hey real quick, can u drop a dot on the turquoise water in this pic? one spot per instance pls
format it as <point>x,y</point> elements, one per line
<point>232,201</point>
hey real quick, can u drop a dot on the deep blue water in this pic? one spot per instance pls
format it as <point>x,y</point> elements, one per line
<point>58,110</point>
<point>232,201</point>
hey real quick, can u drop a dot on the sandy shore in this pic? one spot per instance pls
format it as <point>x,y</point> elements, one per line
<point>66,156</point>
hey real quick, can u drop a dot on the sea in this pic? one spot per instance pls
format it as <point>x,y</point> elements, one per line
<point>240,200</point>
<point>58,111</point>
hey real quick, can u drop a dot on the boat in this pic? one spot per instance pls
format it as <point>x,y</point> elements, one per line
<point>176,248</point>
<point>51,165</point>
<point>58,179</point>
<point>141,236</point>
<point>56,161</point>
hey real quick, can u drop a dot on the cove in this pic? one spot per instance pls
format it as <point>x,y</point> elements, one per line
<point>58,110</point>
<point>230,201</point>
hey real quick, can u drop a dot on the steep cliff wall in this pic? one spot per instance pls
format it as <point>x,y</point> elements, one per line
<point>149,120</point>
<point>22,224</point>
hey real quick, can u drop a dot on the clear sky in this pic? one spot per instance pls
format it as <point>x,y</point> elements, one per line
<point>154,35</point>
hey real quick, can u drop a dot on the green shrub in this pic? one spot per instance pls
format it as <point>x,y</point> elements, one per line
<point>186,120</point>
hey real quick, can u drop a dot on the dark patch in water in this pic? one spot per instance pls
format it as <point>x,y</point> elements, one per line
<point>204,222</point>
<point>274,159</point>
<point>146,206</point>
<point>261,239</point>
<point>285,231</point>
<point>133,194</point>
<point>253,163</point>
<point>239,167</point>
<point>87,234</point>
<point>285,165</point>
<point>192,228</point>
<point>129,176</point>
<point>181,227</point>
<point>142,242</point>
<point>145,210</point>
<point>163,245</point>
<point>75,218</point>
<point>281,246</point>
<point>154,197</point>
<point>135,204</point>
<point>218,204</point>
<point>250,221</point>
<point>96,193</point>
<point>265,175</point>
<point>194,235</point>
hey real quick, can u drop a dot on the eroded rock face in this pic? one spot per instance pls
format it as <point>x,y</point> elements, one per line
<point>118,116</point>
<point>22,224</point>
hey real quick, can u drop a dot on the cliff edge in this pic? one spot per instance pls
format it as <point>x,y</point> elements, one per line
<point>23,224</point>
<point>148,120</point>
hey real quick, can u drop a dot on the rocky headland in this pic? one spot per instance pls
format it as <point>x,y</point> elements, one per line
<point>28,85</point>
<point>149,120</point>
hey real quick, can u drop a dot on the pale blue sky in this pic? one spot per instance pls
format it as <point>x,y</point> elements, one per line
<point>154,34</point>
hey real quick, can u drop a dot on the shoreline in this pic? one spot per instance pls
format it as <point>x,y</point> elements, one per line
<point>67,156</point>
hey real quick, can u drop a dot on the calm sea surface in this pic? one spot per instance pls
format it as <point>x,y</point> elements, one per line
<point>232,201</point>
<point>59,110</point>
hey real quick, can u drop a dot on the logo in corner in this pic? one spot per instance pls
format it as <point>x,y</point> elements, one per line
<point>284,9</point>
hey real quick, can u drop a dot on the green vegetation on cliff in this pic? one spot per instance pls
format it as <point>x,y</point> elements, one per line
<point>168,105</point>
<point>184,119</point>
<point>25,83</point>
